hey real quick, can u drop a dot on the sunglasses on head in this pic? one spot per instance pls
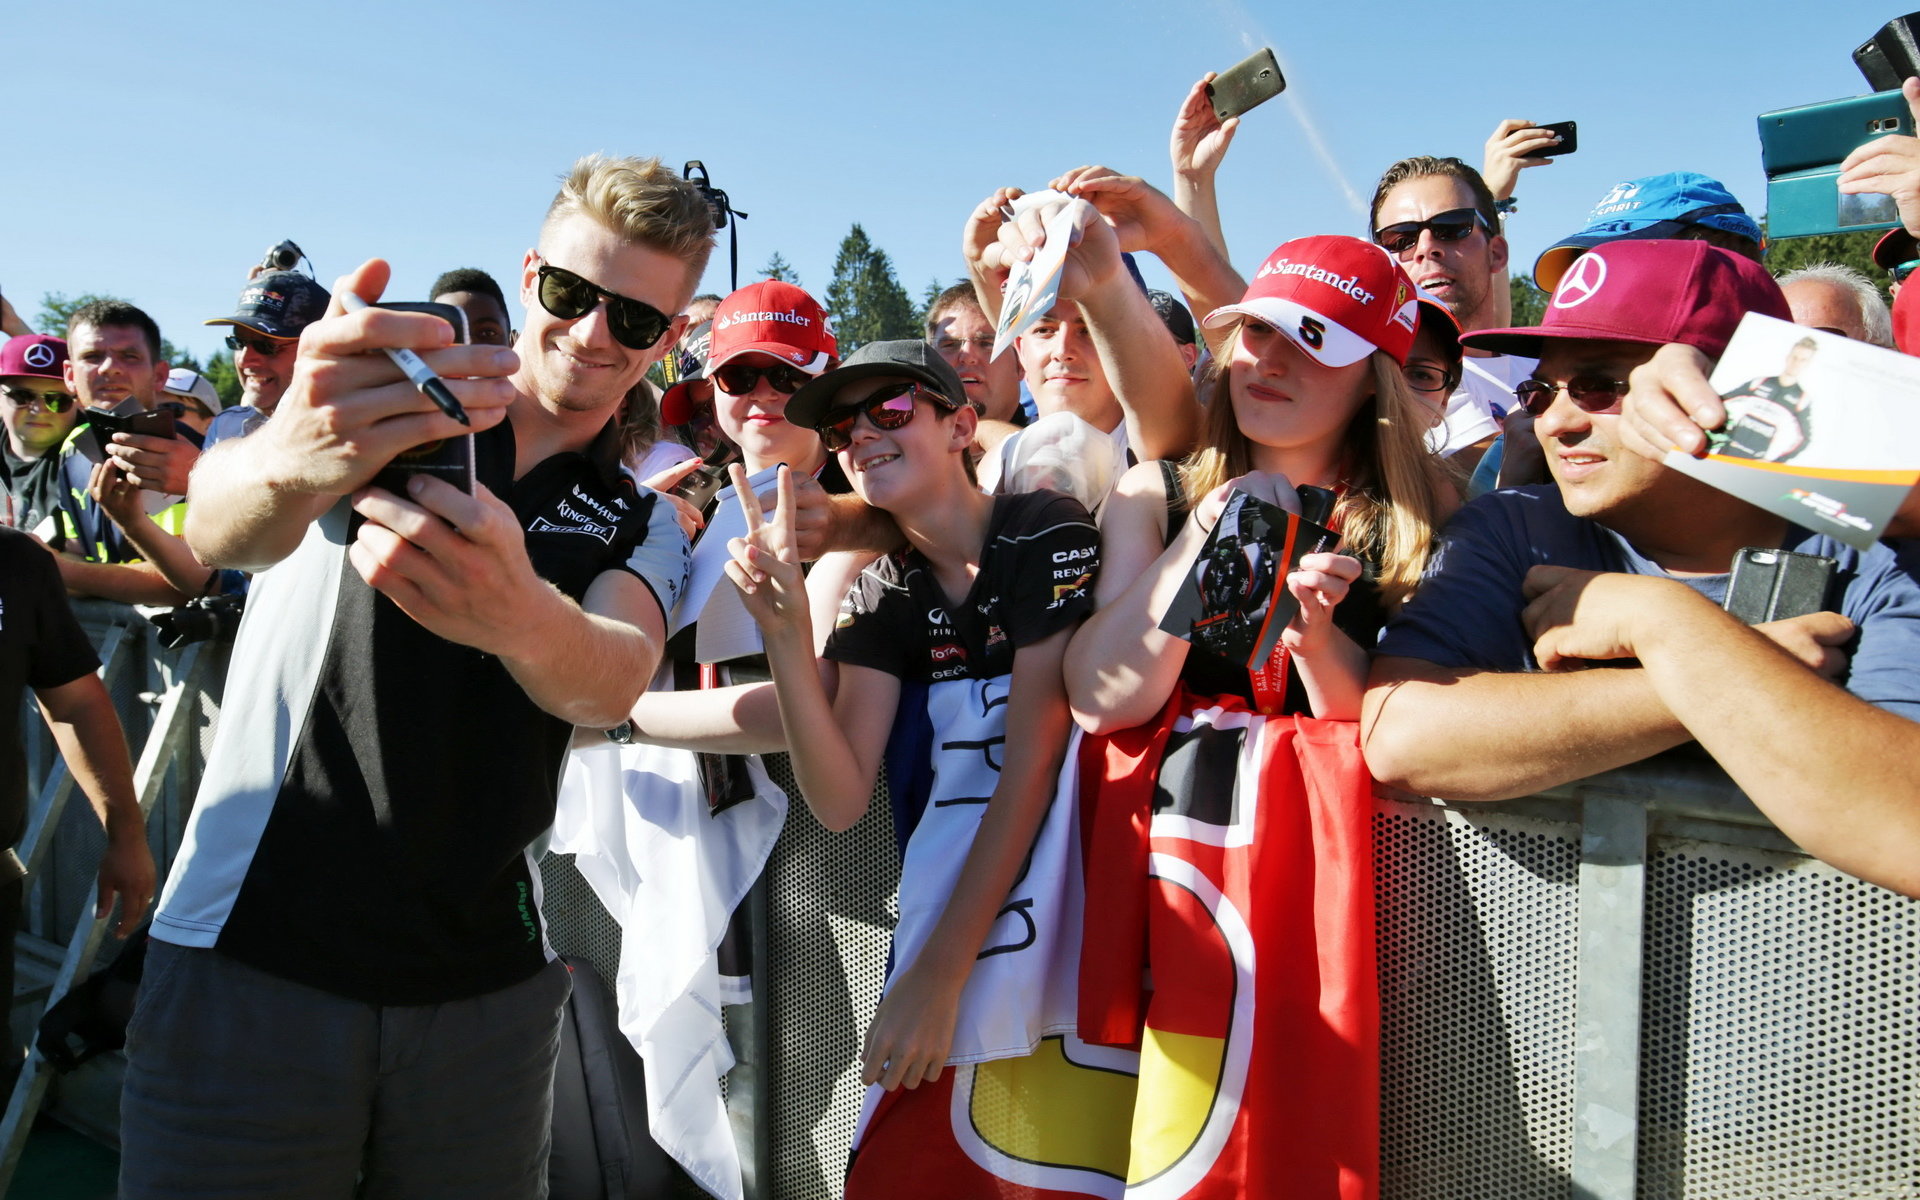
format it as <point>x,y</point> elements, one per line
<point>53,402</point>
<point>1590,393</point>
<point>889,408</point>
<point>737,378</point>
<point>635,324</point>
<point>1451,226</point>
<point>267,346</point>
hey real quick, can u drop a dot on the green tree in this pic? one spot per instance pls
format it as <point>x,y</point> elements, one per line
<point>1529,302</point>
<point>1848,249</point>
<point>225,379</point>
<point>927,298</point>
<point>56,307</point>
<point>779,268</point>
<point>866,299</point>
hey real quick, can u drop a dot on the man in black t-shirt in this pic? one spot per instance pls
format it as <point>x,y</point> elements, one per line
<point>43,648</point>
<point>352,978</point>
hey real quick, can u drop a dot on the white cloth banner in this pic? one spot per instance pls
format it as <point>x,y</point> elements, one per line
<point>671,873</point>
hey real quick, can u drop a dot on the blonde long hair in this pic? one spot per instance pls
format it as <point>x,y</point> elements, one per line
<point>1394,492</point>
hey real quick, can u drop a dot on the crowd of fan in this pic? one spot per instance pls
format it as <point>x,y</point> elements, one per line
<point>1503,511</point>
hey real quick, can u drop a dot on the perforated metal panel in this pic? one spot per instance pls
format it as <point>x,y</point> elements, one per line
<point>1781,1030</point>
<point>1477,955</point>
<point>830,916</point>
<point>578,925</point>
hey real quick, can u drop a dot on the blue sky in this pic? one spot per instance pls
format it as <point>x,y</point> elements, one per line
<point>159,149</point>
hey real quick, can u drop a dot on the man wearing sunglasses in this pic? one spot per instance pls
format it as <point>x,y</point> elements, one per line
<point>1437,216</point>
<point>265,333</point>
<point>1459,704</point>
<point>358,985</point>
<point>38,412</point>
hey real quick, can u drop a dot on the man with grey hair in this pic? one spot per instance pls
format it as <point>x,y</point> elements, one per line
<point>1840,300</point>
<point>348,977</point>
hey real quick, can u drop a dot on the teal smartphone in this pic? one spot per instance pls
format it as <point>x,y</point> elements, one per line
<point>1801,150</point>
<point>1820,135</point>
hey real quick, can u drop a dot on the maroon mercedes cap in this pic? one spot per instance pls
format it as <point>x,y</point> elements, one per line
<point>1652,291</point>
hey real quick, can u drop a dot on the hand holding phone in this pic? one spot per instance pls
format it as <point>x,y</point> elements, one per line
<point>1246,85</point>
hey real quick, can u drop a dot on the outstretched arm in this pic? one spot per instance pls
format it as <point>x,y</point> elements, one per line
<point>346,414</point>
<point>1514,146</point>
<point>1198,145</point>
<point>1144,219</point>
<point>1137,354</point>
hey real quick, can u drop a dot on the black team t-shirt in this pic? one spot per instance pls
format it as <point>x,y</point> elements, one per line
<point>367,810</point>
<point>41,646</point>
<point>955,662</point>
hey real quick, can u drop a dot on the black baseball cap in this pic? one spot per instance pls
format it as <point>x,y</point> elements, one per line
<point>279,304</point>
<point>911,357</point>
<point>1174,316</point>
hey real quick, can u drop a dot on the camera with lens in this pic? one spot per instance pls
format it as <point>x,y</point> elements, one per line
<point>204,618</point>
<point>695,172</point>
<point>283,257</point>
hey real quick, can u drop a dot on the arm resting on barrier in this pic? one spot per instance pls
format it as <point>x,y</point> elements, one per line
<point>1832,771</point>
<point>1468,734</point>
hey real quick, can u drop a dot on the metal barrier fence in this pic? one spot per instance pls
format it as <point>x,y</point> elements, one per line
<point>1628,987</point>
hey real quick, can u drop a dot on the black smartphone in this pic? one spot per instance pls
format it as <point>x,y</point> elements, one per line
<point>1772,585</point>
<point>1246,85</point>
<point>1891,55</point>
<point>1316,508</point>
<point>1569,134</point>
<point>102,425</point>
<point>456,317</point>
<point>450,458</point>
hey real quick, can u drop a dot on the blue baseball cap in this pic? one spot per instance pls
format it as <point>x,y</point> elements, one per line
<point>1656,206</point>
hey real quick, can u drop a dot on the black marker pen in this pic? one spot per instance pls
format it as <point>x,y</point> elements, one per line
<point>417,371</point>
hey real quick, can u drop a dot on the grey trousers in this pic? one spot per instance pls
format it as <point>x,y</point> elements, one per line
<point>244,1084</point>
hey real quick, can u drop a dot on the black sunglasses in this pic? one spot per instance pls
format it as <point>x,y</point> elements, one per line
<point>237,342</point>
<point>1451,226</point>
<point>635,324</point>
<point>889,408</point>
<point>1590,393</point>
<point>737,379</point>
<point>53,402</point>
